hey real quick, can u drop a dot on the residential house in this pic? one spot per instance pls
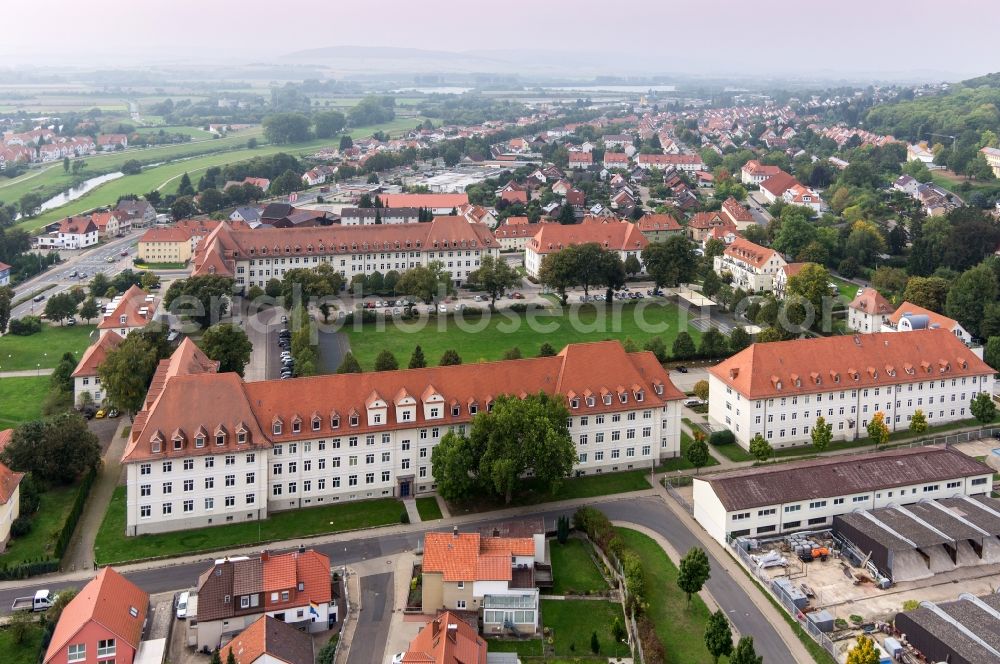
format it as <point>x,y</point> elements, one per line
<point>754,172</point>
<point>622,237</point>
<point>909,317</point>
<point>137,212</point>
<point>782,277</point>
<point>616,140</point>
<point>248,214</point>
<point>253,257</point>
<point>807,495</point>
<point>906,184</point>
<point>72,233</point>
<point>868,311</point>
<point>313,177</point>
<point>492,576</point>
<point>774,187</point>
<point>111,142</point>
<point>349,437</point>
<point>623,199</point>
<point>701,223</point>
<point>738,214</point>
<point>515,196</point>
<point>580,160</point>
<point>576,197</point>
<point>658,227</point>
<point>164,245</point>
<point>919,152</point>
<point>778,389</point>
<point>103,623</point>
<point>438,204</point>
<point>85,376</point>
<point>10,493</point>
<point>477,214</point>
<point>993,159</point>
<point>800,195</point>
<point>128,312</point>
<point>354,216</point>
<point>4,274</point>
<point>615,160</point>
<point>270,641</point>
<point>109,225</point>
<point>284,215</point>
<point>681,162</point>
<point>560,187</point>
<point>234,593</point>
<point>447,639</point>
<point>514,236</point>
<point>752,267</point>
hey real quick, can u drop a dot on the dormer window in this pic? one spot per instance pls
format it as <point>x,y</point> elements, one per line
<point>639,396</point>
<point>658,389</point>
<point>575,403</point>
<point>316,423</point>
<point>590,402</point>
<point>178,443</point>
<point>456,411</point>
<point>199,441</point>
<point>220,439</point>
<point>241,437</point>
<point>354,420</point>
<point>156,447</point>
<point>335,422</point>
<point>473,409</point>
<point>623,397</point>
<point>296,426</point>
<point>276,428</point>
<point>607,399</point>
<point>123,319</point>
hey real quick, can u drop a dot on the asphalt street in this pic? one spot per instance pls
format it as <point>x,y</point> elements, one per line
<point>89,261</point>
<point>372,631</point>
<point>649,512</point>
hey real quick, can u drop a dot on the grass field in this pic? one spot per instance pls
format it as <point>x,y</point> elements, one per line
<point>428,508</point>
<point>166,178</point>
<point>54,506</point>
<point>846,288</point>
<point>484,340</point>
<point>45,348</point>
<point>681,463</point>
<point>112,546</point>
<point>573,569</point>
<point>572,623</point>
<point>21,399</point>
<point>680,627</point>
<point>25,652</point>
<point>524,647</point>
<point>589,486</point>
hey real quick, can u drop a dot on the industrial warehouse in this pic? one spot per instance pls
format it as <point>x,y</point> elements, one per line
<point>965,631</point>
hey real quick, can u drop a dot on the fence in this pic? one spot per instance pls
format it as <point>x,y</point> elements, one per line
<point>347,615</point>
<point>615,567</point>
<point>672,483</point>
<point>818,636</point>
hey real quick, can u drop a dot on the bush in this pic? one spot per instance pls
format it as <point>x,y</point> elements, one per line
<point>74,515</point>
<point>20,527</point>
<point>404,517</point>
<point>911,605</point>
<point>25,327</point>
<point>519,308</point>
<point>722,437</point>
<point>856,619</point>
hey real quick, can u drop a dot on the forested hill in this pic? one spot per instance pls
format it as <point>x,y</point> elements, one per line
<point>969,106</point>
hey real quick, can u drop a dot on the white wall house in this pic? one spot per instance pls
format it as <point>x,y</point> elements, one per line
<point>752,267</point>
<point>765,502</point>
<point>779,389</point>
<point>73,233</point>
<point>623,237</point>
<point>909,317</point>
<point>868,312</point>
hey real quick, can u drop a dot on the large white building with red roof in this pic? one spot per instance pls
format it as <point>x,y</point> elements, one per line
<point>622,237</point>
<point>209,448</point>
<point>254,257</point>
<point>750,266</point>
<point>128,312</point>
<point>778,389</point>
<point>85,376</point>
<point>73,233</point>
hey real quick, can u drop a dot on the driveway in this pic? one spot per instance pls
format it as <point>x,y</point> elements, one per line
<point>372,630</point>
<point>265,358</point>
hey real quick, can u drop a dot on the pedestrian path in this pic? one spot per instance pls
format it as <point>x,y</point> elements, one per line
<point>411,509</point>
<point>443,506</point>
<point>26,373</point>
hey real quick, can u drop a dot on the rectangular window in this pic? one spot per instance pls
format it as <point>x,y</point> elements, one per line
<point>77,652</point>
<point>145,511</point>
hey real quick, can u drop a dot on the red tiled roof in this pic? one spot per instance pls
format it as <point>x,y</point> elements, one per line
<point>748,252</point>
<point>471,557</point>
<point>425,200</point>
<point>779,184</point>
<point>108,600</point>
<point>446,640</point>
<point>9,480</point>
<point>871,302</point>
<point>4,266</point>
<point>130,305</point>
<point>754,167</point>
<point>172,234</point>
<point>581,158</point>
<point>669,159</point>
<point>94,356</point>
<point>870,360</point>
<point>5,436</point>
<point>77,226</point>
<point>272,637</point>
<point>658,222</point>
<point>935,318</point>
<point>617,236</point>
<point>735,211</point>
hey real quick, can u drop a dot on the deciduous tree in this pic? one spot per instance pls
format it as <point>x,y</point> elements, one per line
<point>744,652</point>
<point>864,652</point>
<point>760,449</point>
<point>89,309</point>
<point>671,262</point>
<point>983,408</point>
<point>822,434</point>
<point>693,571</point>
<point>683,347</point>
<point>697,451</point>
<point>718,636</point>
<point>878,431</point>
<point>60,307</point>
<point>918,422</point>
<point>426,282</point>
<point>495,276</point>
<point>126,372</point>
<point>229,345</point>
<point>56,449</point>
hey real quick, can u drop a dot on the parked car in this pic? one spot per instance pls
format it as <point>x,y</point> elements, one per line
<point>38,298</point>
<point>181,605</point>
<point>113,412</point>
<point>99,414</point>
<point>443,308</point>
<point>478,298</point>
<point>682,369</point>
<point>71,322</point>
<point>694,401</point>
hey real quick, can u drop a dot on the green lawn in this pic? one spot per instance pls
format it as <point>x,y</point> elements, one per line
<point>113,547</point>
<point>54,506</point>
<point>846,288</point>
<point>588,486</point>
<point>574,621</point>
<point>478,340</point>
<point>23,653</point>
<point>45,348</point>
<point>573,569</point>
<point>160,266</point>
<point>681,627</point>
<point>681,463</point>
<point>733,452</point>
<point>428,508</point>
<point>523,647</point>
<point>21,399</point>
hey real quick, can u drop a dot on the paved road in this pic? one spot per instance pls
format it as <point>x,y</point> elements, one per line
<point>372,630</point>
<point>89,261</point>
<point>649,512</point>
<point>262,330</point>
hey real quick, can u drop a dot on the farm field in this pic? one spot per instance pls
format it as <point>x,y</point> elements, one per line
<point>477,341</point>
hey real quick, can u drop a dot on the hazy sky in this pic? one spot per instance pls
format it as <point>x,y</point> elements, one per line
<point>692,36</point>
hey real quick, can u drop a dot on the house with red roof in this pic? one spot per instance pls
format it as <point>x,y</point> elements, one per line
<point>471,572</point>
<point>515,196</point>
<point>4,274</point>
<point>236,592</point>
<point>111,142</point>
<point>658,227</point>
<point>750,266</point>
<point>754,172</point>
<point>10,493</point>
<point>580,161</point>
<point>615,160</point>
<point>128,312</point>
<point>702,223</point>
<point>447,639</point>
<point>72,233</point>
<point>774,187</point>
<point>909,317</point>
<point>738,214</point>
<point>442,204</point>
<point>623,237</point>
<point>798,194</point>
<point>109,224</point>
<point>85,376</point>
<point>868,311</point>
<point>270,641</point>
<point>103,623</point>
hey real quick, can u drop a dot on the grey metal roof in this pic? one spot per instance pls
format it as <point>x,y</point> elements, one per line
<point>838,476</point>
<point>976,620</point>
<point>922,524</point>
<point>978,510</point>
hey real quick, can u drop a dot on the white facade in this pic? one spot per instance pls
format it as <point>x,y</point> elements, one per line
<point>864,321</point>
<point>747,275</point>
<point>818,513</point>
<point>786,421</point>
<point>59,240</point>
<point>89,384</point>
<point>533,259</point>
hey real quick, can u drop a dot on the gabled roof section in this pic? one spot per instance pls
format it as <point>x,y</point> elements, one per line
<point>111,601</point>
<point>935,319</point>
<point>274,638</point>
<point>136,305</point>
<point>616,236</point>
<point>447,639</point>
<point>96,353</point>
<point>871,302</point>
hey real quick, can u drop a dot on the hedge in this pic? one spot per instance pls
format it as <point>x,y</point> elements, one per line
<point>722,437</point>
<point>74,514</point>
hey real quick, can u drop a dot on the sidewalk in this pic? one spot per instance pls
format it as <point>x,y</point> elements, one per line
<point>27,373</point>
<point>80,552</point>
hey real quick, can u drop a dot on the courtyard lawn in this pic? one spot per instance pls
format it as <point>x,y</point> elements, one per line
<point>45,348</point>
<point>846,288</point>
<point>588,486</point>
<point>681,463</point>
<point>681,628</point>
<point>478,340</point>
<point>574,621</point>
<point>25,652</point>
<point>54,506</point>
<point>21,399</point>
<point>523,647</point>
<point>428,508</point>
<point>574,571</point>
<point>112,546</point>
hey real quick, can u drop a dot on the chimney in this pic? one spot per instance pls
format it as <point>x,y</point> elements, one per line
<point>264,556</point>
<point>302,548</point>
<point>435,627</point>
<point>454,531</point>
